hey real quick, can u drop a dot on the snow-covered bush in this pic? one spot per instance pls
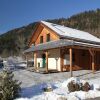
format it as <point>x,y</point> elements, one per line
<point>11,60</point>
<point>72,86</point>
<point>86,87</point>
<point>77,86</point>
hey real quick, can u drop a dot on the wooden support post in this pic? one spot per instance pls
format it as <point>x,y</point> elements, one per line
<point>93,64</point>
<point>35,61</point>
<point>61,60</point>
<point>46,53</point>
<point>93,61</point>
<point>70,52</point>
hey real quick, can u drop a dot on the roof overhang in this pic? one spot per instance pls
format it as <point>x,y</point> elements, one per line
<point>60,43</point>
<point>80,40</point>
<point>50,45</point>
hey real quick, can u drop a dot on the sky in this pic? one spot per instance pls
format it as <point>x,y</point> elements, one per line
<point>18,13</point>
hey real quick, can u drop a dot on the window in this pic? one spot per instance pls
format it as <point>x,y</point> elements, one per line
<point>66,59</point>
<point>41,39</point>
<point>48,37</point>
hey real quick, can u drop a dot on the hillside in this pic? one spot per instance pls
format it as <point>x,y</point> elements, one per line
<point>15,41</point>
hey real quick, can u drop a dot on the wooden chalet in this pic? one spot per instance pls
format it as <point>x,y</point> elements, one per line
<point>61,48</point>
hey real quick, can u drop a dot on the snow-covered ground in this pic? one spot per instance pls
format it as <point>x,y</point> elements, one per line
<point>12,63</point>
<point>60,91</point>
<point>32,84</point>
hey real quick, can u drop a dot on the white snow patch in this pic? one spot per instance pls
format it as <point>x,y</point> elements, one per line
<point>60,90</point>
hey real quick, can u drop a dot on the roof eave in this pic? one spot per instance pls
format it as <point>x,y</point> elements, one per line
<point>80,40</point>
<point>50,29</point>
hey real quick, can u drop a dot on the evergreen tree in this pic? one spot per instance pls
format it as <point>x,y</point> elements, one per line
<point>9,88</point>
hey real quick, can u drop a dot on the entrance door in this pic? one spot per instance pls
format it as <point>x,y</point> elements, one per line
<point>43,60</point>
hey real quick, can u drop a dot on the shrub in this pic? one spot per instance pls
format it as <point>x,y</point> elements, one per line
<point>72,86</point>
<point>9,88</point>
<point>86,87</point>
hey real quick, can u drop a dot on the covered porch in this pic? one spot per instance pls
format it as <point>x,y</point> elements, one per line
<point>79,56</point>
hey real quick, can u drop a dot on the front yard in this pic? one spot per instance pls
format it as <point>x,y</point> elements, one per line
<point>32,83</point>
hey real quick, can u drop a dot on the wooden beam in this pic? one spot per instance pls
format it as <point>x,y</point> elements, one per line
<point>61,60</point>
<point>86,48</point>
<point>70,52</point>
<point>46,53</point>
<point>35,60</point>
<point>92,52</point>
<point>93,64</point>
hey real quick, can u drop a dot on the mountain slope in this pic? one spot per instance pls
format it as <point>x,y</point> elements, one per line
<point>15,41</point>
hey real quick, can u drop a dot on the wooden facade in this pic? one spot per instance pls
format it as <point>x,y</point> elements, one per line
<point>82,60</point>
<point>42,31</point>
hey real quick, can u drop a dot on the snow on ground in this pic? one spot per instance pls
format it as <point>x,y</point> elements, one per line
<point>13,63</point>
<point>32,84</point>
<point>60,91</point>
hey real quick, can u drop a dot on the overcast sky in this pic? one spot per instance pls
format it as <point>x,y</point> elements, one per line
<point>16,13</point>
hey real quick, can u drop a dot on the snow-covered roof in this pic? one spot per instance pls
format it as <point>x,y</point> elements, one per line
<point>59,43</point>
<point>70,32</point>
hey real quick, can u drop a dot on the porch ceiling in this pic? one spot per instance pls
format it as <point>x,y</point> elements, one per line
<point>60,43</point>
